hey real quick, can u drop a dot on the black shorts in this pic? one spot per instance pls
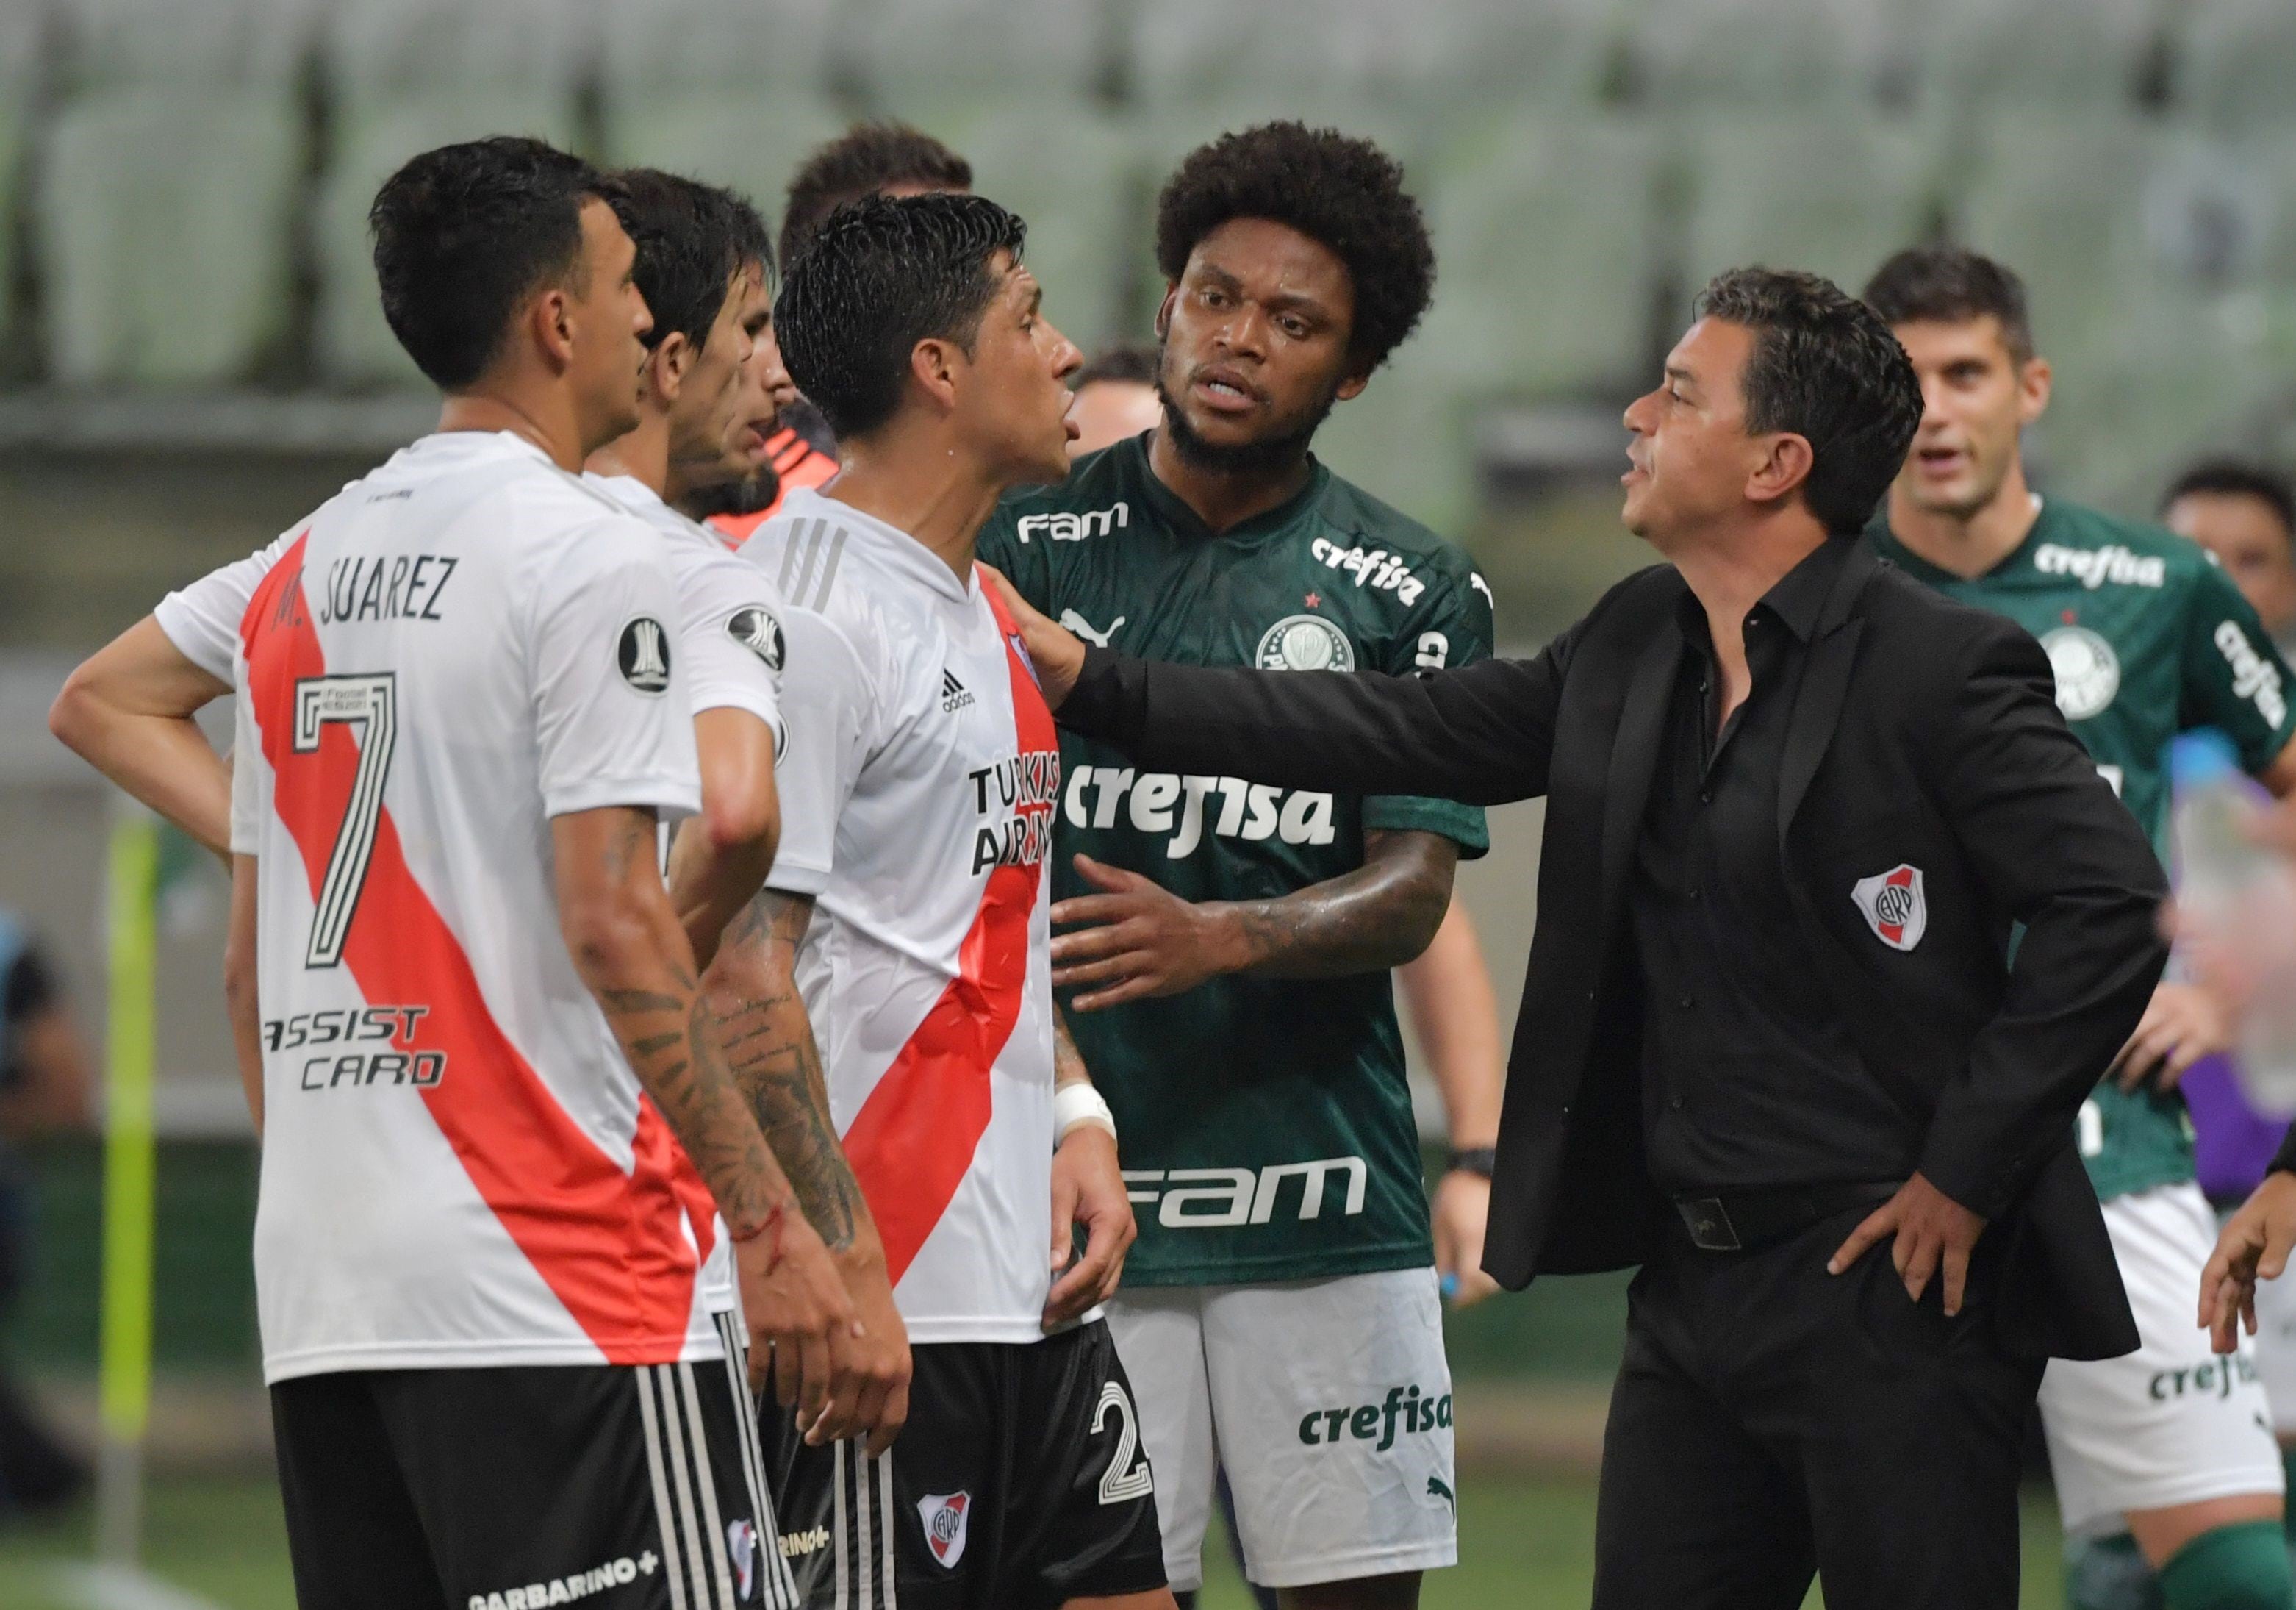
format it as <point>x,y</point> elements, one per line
<point>1018,1483</point>
<point>633,1487</point>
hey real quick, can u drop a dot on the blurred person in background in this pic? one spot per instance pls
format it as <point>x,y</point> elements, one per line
<point>1227,948</point>
<point>45,1074</point>
<point>2145,638</point>
<point>883,158</point>
<point>1115,398</point>
<point>2245,515</point>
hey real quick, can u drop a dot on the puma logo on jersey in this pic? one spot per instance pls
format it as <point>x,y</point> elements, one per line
<point>952,694</point>
<point>1067,526</point>
<point>1082,627</point>
<point>1437,1489</point>
<point>1158,802</point>
<point>1373,568</point>
<point>2094,567</point>
<point>2254,677</point>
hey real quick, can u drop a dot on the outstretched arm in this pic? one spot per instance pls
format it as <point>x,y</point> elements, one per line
<point>1139,939</point>
<point>1483,734</point>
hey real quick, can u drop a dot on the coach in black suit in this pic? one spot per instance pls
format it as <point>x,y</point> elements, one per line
<point>1778,1008</point>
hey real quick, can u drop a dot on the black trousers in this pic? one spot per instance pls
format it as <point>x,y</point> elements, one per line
<point>1771,1420</point>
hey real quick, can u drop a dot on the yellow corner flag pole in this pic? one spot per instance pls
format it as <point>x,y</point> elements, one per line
<point>129,1169</point>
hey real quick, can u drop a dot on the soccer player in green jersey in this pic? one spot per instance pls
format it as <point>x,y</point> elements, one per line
<point>2168,1451</point>
<point>1229,943</point>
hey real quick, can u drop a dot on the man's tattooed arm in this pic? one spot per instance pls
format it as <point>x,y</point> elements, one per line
<point>749,992</point>
<point>630,951</point>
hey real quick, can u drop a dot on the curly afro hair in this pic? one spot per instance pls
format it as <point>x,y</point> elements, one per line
<point>1343,192</point>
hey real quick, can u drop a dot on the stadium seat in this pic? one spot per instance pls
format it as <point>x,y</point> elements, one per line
<point>677,45</point>
<point>2055,197</point>
<point>164,221</point>
<point>749,140</point>
<point>2082,55</point>
<point>19,44</point>
<point>2235,62</point>
<point>1756,197</point>
<point>916,57</point>
<point>1758,53</point>
<point>410,75</point>
<point>355,345</point>
<point>1405,442</point>
<point>197,43</point>
<point>1069,171</point>
<point>1545,257</point>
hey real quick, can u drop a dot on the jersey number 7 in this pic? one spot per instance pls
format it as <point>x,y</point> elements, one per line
<point>372,703</point>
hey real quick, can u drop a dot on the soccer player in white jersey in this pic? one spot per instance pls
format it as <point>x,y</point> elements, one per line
<point>909,906</point>
<point>459,715</point>
<point>703,256</point>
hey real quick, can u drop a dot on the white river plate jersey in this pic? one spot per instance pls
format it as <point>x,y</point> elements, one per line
<point>729,636</point>
<point>917,794</point>
<point>459,1168</point>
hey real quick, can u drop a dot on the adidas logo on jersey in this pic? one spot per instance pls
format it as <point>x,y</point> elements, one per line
<point>1067,526</point>
<point>2094,567</point>
<point>952,694</point>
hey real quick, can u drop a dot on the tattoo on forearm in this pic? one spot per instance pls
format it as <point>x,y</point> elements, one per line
<point>1378,917</point>
<point>759,1021</point>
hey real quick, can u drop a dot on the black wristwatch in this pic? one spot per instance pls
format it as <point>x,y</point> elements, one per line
<point>1471,1160</point>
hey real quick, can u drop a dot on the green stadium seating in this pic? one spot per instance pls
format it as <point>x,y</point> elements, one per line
<point>2055,196</point>
<point>20,43</point>
<point>916,57</point>
<point>2236,63</point>
<point>201,43</point>
<point>409,75</point>
<point>1758,53</point>
<point>1838,215</point>
<point>1405,440</point>
<point>1070,172</point>
<point>1545,257</point>
<point>2078,56</point>
<point>677,45</point>
<point>749,140</point>
<point>164,219</point>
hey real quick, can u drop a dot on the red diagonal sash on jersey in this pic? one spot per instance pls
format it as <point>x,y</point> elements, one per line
<point>913,1140</point>
<point>610,1244</point>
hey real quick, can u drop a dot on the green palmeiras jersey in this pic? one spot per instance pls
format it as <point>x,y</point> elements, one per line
<point>2148,638</point>
<point>1266,1125</point>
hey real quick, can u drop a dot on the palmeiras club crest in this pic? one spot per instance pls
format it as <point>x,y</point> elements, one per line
<point>944,1516</point>
<point>1894,906</point>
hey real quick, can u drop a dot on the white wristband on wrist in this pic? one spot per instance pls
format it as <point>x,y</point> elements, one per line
<point>1077,1102</point>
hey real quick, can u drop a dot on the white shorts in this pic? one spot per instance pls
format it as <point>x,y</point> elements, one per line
<point>1329,1403</point>
<point>2171,1423</point>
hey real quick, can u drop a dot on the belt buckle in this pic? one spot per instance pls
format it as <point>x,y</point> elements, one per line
<point>1708,1224</point>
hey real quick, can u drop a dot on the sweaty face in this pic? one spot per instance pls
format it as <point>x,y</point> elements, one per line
<point>1012,401</point>
<point>1108,410</point>
<point>2251,545</point>
<point>1255,338</point>
<point>1690,455</point>
<point>609,319</point>
<point>1975,398</point>
<point>704,421</point>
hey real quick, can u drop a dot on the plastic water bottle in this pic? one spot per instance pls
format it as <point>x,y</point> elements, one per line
<point>2237,898</point>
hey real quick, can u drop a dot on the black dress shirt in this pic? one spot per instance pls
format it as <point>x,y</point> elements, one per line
<point>1750,1075</point>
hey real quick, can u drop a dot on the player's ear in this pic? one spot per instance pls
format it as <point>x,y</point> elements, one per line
<point>549,323</point>
<point>933,364</point>
<point>1786,464</point>
<point>1164,308</point>
<point>2034,380</point>
<point>1351,385</point>
<point>668,365</point>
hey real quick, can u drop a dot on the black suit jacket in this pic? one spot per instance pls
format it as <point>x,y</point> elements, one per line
<point>1922,733</point>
